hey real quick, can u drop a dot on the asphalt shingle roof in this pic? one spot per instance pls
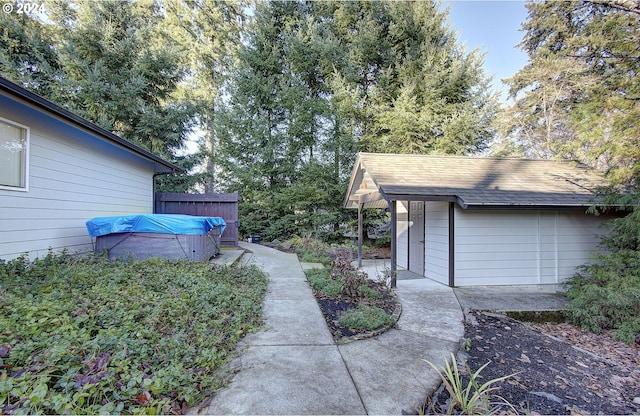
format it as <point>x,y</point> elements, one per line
<point>476,181</point>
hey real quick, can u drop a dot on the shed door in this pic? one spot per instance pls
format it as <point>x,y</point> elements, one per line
<point>416,237</point>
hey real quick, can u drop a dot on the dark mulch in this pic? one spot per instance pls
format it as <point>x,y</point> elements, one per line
<point>333,308</point>
<point>553,377</point>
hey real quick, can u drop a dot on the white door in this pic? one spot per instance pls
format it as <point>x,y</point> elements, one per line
<point>416,237</point>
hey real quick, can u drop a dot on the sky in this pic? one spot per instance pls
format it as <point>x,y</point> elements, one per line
<point>494,27</point>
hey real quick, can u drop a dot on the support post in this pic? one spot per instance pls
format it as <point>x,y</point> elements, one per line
<point>394,244</point>
<point>360,237</point>
<point>452,242</point>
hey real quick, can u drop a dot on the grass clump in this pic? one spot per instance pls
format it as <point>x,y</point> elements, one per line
<point>470,398</point>
<point>92,336</point>
<point>365,317</point>
<point>321,282</point>
<point>370,293</point>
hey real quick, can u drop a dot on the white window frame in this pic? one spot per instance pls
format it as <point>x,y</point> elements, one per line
<point>25,158</point>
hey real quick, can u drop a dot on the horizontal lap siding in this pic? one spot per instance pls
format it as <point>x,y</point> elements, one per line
<point>578,241</point>
<point>73,177</point>
<point>548,245</point>
<point>495,248</point>
<point>402,253</point>
<point>522,247</point>
<point>437,241</point>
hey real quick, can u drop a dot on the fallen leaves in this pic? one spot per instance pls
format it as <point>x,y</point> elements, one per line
<point>567,379</point>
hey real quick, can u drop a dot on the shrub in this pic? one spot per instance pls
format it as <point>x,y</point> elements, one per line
<point>365,317</point>
<point>352,280</point>
<point>92,336</point>
<point>605,294</point>
<point>311,250</point>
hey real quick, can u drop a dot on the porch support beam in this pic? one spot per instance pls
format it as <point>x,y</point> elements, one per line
<point>452,242</point>
<point>368,197</point>
<point>360,236</point>
<point>394,243</point>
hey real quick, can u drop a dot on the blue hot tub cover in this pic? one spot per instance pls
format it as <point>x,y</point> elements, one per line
<point>154,223</point>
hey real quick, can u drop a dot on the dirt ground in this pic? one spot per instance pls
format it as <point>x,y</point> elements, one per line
<point>559,369</point>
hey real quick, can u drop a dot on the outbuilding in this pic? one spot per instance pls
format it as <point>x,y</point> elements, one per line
<point>58,170</point>
<point>474,221</point>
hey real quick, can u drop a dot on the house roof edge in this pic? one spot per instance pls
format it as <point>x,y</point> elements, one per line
<point>68,116</point>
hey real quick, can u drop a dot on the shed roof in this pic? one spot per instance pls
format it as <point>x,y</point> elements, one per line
<point>471,181</point>
<point>161,165</point>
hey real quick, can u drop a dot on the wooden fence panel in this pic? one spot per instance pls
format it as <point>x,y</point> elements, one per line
<point>206,205</point>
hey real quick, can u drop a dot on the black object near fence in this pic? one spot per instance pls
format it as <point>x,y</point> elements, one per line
<point>206,205</point>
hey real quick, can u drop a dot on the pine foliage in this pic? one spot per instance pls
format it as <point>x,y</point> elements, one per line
<point>605,293</point>
<point>316,82</point>
<point>579,95</point>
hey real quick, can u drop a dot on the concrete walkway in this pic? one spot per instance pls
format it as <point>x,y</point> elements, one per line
<point>293,366</point>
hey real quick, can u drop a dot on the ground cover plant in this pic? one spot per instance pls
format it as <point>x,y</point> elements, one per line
<point>352,304</point>
<point>92,336</point>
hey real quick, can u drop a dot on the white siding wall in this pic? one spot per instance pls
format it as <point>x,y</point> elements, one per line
<point>73,177</point>
<point>578,240</point>
<point>521,247</point>
<point>436,248</point>
<point>402,231</point>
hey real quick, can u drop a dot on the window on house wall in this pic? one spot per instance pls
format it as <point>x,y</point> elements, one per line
<point>14,148</point>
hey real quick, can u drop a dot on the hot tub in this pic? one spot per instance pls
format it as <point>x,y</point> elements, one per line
<point>157,235</point>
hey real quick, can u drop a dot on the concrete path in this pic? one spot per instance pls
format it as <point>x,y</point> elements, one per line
<point>510,298</point>
<point>293,366</point>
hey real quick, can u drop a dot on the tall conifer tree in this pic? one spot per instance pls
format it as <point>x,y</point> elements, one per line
<point>579,95</point>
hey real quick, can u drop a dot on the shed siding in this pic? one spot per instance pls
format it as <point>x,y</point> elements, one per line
<point>578,240</point>
<point>74,176</point>
<point>402,231</point>
<point>521,247</point>
<point>436,248</point>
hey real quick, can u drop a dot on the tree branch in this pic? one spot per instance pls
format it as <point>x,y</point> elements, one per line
<point>631,6</point>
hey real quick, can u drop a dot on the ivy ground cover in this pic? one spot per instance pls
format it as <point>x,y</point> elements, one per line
<point>89,336</point>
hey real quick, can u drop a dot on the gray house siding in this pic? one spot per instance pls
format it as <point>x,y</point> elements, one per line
<point>522,247</point>
<point>437,241</point>
<point>74,175</point>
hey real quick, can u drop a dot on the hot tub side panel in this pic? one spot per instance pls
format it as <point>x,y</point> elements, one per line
<point>170,246</point>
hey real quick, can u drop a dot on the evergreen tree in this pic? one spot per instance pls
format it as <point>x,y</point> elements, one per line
<point>579,96</point>
<point>121,73</point>
<point>26,56</point>
<point>438,101</point>
<point>318,81</point>
<point>416,90</point>
<point>209,34</point>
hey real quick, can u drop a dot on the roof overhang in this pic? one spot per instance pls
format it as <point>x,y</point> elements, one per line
<point>160,165</point>
<point>390,179</point>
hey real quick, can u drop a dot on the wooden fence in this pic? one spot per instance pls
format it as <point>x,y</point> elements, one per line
<point>207,205</point>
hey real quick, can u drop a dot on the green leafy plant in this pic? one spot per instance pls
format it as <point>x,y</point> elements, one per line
<point>89,335</point>
<point>470,398</point>
<point>365,317</point>
<point>311,250</point>
<point>605,293</point>
<point>321,282</point>
<point>370,293</point>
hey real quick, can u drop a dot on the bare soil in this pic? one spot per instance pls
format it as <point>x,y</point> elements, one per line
<point>559,369</point>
